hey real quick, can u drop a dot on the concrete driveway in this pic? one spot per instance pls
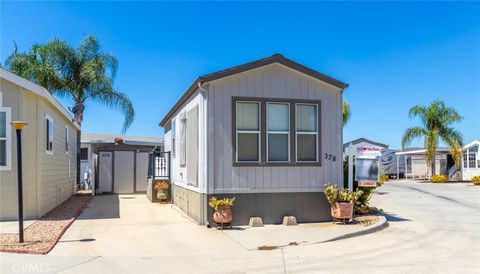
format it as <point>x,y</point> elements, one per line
<point>129,225</point>
<point>434,228</point>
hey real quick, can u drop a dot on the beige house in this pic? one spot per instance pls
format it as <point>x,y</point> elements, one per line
<point>49,147</point>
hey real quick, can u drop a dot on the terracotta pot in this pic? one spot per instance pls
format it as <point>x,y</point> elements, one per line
<point>223,215</point>
<point>343,210</point>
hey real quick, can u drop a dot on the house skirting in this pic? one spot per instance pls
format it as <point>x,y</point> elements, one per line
<point>307,207</point>
<point>190,202</point>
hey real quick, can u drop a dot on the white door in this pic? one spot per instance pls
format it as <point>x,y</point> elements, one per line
<point>142,171</point>
<point>105,170</point>
<point>123,172</point>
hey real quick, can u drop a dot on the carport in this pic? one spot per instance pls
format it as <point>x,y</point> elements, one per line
<point>120,164</point>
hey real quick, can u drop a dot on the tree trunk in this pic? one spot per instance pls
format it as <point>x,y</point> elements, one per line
<point>78,117</point>
<point>433,164</point>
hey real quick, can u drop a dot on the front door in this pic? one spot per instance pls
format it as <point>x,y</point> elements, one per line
<point>105,172</point>
<point>124,172</point>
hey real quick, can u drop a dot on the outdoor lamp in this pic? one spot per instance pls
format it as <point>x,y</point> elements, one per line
<point>19,125</point>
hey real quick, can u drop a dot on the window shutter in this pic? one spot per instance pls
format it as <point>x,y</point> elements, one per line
<point>192,146</point>
<point>183,133</point>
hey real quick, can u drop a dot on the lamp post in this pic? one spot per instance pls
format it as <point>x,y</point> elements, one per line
<point>19,125</point>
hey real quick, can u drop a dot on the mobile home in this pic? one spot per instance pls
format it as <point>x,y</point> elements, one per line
<point>268,132</point>
<point>49,148</point>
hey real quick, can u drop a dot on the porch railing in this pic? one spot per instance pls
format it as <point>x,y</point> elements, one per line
<point>159,165</point>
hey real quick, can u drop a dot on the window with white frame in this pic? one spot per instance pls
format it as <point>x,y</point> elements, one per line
<point>247,131</point>
<point>49,134</point>
<point>5,138</point>
<point>278,132</point>
<point>472,157</point>
<point>306,132</point>
<point>67,135</point>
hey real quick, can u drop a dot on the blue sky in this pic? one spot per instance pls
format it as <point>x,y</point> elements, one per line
<point>393,55</point>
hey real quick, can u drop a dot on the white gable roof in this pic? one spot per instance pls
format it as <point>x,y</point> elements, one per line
<point>471,144</point>
<point>38,90</point>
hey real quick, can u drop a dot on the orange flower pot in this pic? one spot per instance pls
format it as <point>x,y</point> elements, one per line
<point>342,210</point>
<point>223,215</point>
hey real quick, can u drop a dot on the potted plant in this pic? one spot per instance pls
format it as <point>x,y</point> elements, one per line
<point>222,214</point>
<point>162,190</point>
<point>341,201</point>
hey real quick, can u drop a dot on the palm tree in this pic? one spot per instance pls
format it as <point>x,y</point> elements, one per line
<point>436,120</point>
<point>84,74</point>
<point>35,65</point>
<point>346,112</point>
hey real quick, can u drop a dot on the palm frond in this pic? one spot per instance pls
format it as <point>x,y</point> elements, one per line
<point>106,95</point>
<point>346,112</point>
<point>412,133</point>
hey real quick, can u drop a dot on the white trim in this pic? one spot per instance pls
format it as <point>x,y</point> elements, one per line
<point>8,137</point>
<point>258,132</point>
<point>421,151</point>
<point>38,90</point>
<point>317,133</point>
<point>1,99</point>
<point>49,118</point>
<point>475,142</point>
<point>278,132</point>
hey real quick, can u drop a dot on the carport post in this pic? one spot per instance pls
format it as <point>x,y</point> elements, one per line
<point>18,125</point>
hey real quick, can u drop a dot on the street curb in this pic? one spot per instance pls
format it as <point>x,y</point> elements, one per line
<point>380,225</point>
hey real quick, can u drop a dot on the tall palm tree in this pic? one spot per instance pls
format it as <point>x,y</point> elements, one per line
<point>35,65</point>
<point>436,120</point>
<point>84,74</point>
<point>346,112</point>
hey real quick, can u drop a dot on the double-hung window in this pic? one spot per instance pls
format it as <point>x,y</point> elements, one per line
<point>247,131</point>
<point>49,135</point>
<point>5,138</point>
<point>307,132</point>
<point>278,132</point>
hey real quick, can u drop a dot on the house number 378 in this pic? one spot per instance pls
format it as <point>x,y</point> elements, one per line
<point>330,157</point>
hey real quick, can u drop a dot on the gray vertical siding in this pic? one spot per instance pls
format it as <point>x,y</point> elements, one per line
<point>274,81</point>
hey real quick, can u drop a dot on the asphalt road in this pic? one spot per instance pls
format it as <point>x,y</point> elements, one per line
<point>434,228</point>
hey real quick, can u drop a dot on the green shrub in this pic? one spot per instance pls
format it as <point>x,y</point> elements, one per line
<point>476,180</point>
<point>334,194</point>
<point>383,178</point>
<point>438,179</point>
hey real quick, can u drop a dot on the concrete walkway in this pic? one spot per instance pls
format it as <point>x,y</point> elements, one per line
<point>432,229</point>
<point>129,225</point>
<point>303,234</point>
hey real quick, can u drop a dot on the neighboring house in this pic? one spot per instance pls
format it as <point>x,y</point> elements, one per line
<point>470,161</point>
<point>388,160</point>
<point>416,167</point>
<point>117,164</point>
<point>49,148</point>
<point>268,132</point>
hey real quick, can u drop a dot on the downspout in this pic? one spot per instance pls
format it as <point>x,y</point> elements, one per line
<point>204,93</point>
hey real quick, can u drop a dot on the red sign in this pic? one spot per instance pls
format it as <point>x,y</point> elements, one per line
<point>367,184</point>
<point>368,148</point>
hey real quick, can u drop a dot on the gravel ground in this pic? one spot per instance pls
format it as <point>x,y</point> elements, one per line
<point>41,236</point>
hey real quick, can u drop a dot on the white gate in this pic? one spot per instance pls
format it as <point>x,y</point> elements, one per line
<point>105,172</point>
<point>141,171</point>
<point>123,172</point>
